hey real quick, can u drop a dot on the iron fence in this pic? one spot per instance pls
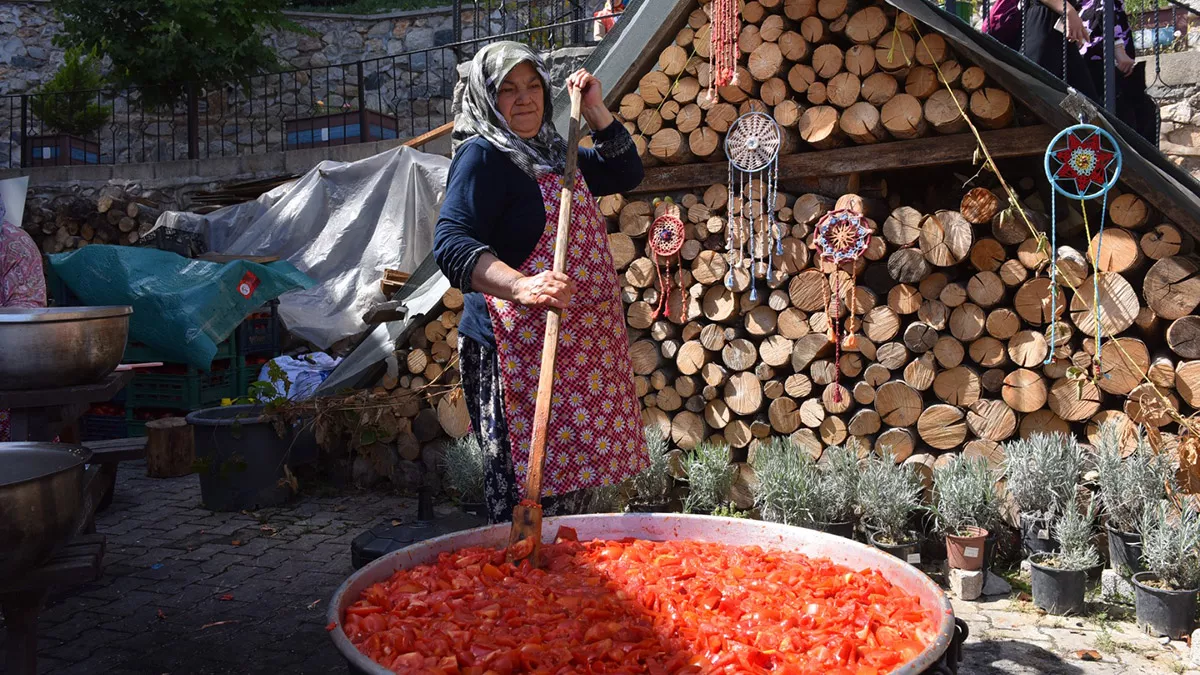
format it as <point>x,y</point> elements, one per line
<point>383,98</point>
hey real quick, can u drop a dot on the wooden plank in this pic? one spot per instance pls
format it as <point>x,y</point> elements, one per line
<point>920,152</point>
<point>223,258</point>
<point>430,136</point>
<point>392,310</point>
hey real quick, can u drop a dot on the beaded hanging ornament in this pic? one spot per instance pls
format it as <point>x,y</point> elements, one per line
<point>841,239</point>
<point>665,241</point>
<point>752,146</point>
<point>1082,162</point>
<point>725,28</point>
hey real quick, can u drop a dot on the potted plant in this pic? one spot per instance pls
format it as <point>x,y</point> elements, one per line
<point>1060,578</point>
<point>709,477</point>
<point>652,486</point>
<point>1165,594</point>
<point>837,489</point>
<point>1127,487</point>
<point>1041,473</point>
<point>463,468</point>
<point>69,105</point>
<point>786,489</point>
<point>888,495</point>
<point>965,508</point>
<point>338,125</point>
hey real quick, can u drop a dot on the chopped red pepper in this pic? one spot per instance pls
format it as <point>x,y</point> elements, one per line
<point>637,606</point>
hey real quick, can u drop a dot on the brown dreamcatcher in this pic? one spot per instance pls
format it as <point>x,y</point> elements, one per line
<point>665,241</point>
<point>842,237</point>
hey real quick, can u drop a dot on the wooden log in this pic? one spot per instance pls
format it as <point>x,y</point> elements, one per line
<point>985,289</point>
<point>988,352</point>
<point>717,414</point>
<point>687,430</point>
<point>866,25</point>
<point>903,227</point>
<point>921,372</point>
<point>946,238</point>
<point>904,299</point>
<point>784,415</point>
<point>819,127</point>
<point>942,426</point>
<point>1152,406</point>
<point>1172,287</point>
<point>992,108</point>
<point>1074,400</point>
<point>654,87</point>
<point>860,62</point>
<point>773,92</point>
<point>1164,241</point>
<point>792,323</point>
<point>991,420</point>
<point>670,147</point>
<point>920,337</point>
<point>988,255</point>
<point>948,351</point>
<point>833,431</point>
<point>704,143</point>
<point>809,290</point>
<point>739,354</point>
<point>1183,336</point>
<point>843,90</point>
<point>766,62</point>
<point>797,10</point>
<point>1123,366</point>
<point>812,413</point>
<point>907,265</point>
<point>903,117</point>
<point>980,206</point>
<point>1042,421</point>
<point>896,443</point>
<point>894,50</point>
<point>958,386</point>
<point>743,393</point>
<point>1028,349</point>
<point>1117,252</point>
<point>931,49</point>
<point>1024,390</point>
<point>1187,382</point>
<point>892,355</point>
<point>827,61</point>
<point>898,404</point>
<point>861,122</point>
<point>635,218</point>
<point>1034,303</point>
<point>878,88</point>
<point>798,385</point>
<point>864,423</point>
<point>1126,430</point>
<point>953,294</point>
<point>944,109</point>
<point>1118,305</point>
<point>170,444</point>
<point>967,322</point>
<point>921,82</point>
<point>719,304</point>
<point>973,78</point>
<point>1130,211</point>
<point>1162,372</point>
<point>776,351</point>
<point>881,324</point>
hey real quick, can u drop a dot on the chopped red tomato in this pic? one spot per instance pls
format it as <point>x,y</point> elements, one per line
<point>633,606</point>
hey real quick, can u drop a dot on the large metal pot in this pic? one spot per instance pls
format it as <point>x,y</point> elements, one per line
<point>41,491</point>
<point>60,346</point>
<point>661,527</point>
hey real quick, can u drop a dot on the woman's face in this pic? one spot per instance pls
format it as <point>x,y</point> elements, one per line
<point>521,100</point>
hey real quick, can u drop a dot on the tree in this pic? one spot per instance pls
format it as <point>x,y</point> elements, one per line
<point>159,46</point>
<point>69,102</point>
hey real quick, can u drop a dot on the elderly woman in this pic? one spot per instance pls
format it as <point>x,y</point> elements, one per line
<point>495,241</point>
<point>22,283</point>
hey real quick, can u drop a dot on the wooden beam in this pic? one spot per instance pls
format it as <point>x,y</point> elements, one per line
<point>920,152</point>
<point>430,136</point>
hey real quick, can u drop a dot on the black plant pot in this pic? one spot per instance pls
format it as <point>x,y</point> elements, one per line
<point>649,507</point>
<point>243,457</point>
<point>1124,551</point>
<point>842,529</point>
<point>989,550</point>
<point>909,551</point>
<point>1169,613</point>
<point>1036,536</point>
<point>1057,591</point>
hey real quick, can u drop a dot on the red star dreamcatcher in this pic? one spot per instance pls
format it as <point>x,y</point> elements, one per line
<point>665,241</point>
<point>842,238</point>
<point>1084,161</point>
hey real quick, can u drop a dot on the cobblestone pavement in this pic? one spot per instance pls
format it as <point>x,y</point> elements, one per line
<point>190,592</point>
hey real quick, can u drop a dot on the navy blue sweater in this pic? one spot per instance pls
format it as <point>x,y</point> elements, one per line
<point>492,206</point>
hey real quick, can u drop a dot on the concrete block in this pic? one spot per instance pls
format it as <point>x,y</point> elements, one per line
<point>1026,568</point>
<point>1194,656</point>
<point>996,585</point>
<point>967,585</point>
<point>1115,588</point>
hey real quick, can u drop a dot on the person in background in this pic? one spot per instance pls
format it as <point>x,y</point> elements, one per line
<point>1003,22</point>
<point>1134,105</point>
<point>1045,23</point>
<point>494,240</point>
<point>22,282</point>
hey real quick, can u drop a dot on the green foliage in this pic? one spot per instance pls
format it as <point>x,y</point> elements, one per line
<point>158,46</point>
<point>1042,471</point>
<point>1171,546</point>
<point>463,466</point>
<point>69,102</point>
<point>788,489</point>
<point>730,511</point>
<point>888,494</point>
<point>653,484</point>
<point>1073,530</point>
<point>1129,485</point>
<point>964,495</point>
<point>839,483</point>
<point>709,477</point>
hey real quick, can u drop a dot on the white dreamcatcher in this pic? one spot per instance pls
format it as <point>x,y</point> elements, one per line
<point>752,146</point>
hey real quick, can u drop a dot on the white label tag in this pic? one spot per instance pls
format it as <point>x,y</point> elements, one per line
<point>325,133</point>
<point>971,552</point>
<point>914,558</point>
<point>1043,534</point>
<point>47,152</point>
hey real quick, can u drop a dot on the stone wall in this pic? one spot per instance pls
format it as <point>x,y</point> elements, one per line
<point>409,79</point>
<point>1179,94</point>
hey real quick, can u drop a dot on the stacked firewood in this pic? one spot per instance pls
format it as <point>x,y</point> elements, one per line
<point>428,364</point>
<point>830,72</point>
<point>71,221</point>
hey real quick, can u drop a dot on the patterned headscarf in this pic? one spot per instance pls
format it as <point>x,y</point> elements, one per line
<point>544,153</point>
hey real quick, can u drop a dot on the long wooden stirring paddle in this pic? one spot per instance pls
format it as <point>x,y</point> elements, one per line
<point>525,539</point>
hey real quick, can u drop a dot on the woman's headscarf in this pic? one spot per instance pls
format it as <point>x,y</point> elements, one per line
<point>479,116</point>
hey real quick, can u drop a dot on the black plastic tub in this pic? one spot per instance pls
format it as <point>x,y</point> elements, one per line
<point>1124,551</point>
<point>1169,613</point>
<point>843,529</point>
<point>1059,592</point>
<point>241,457</point>
<point>909,552</point>
<point>1036,535</point>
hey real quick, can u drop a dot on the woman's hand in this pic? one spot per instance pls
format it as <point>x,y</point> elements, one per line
<point>1125,62</point>
<point>1076,31</point>
<point>548,289</point>
<point>592,99</point>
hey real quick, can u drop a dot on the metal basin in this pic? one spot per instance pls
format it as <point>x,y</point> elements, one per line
<point>55,347</point>
<point>41,490</point>
<point>661,527</point>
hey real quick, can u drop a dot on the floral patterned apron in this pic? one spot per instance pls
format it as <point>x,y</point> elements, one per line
<point>595,435</point>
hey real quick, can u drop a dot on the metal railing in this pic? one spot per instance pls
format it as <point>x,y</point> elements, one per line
<point>389,97</point>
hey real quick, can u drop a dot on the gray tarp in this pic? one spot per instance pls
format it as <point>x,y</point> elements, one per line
<point>341,224</point>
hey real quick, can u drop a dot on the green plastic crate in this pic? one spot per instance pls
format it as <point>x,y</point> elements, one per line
<point>139,353</point>
<point>182,392</point>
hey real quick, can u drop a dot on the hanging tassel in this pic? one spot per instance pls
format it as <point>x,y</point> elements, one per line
<point>723,51</point>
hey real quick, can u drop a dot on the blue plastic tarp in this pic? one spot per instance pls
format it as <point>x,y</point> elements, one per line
<point>182,308</point>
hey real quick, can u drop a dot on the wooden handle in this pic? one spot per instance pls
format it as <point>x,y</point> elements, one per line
<point>541,416</point>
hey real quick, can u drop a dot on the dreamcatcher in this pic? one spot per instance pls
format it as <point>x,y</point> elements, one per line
<point>723,44</point>
<point>1082,162</point>
<point>752,146</point>
<point>665,240</point>
<point>841,238</point>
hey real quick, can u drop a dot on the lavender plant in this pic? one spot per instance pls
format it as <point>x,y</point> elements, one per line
<point>1171,546</point>
<point>964,495</point>
<point>888,494</point>
<point>838,484</point>
<point>1129,485</point>
<point>653,484</point>
<point>1042,471</point>
<point>1073,530</point>
<point>788,489</point>
<point>709,477</point>
<point>462,464</point>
